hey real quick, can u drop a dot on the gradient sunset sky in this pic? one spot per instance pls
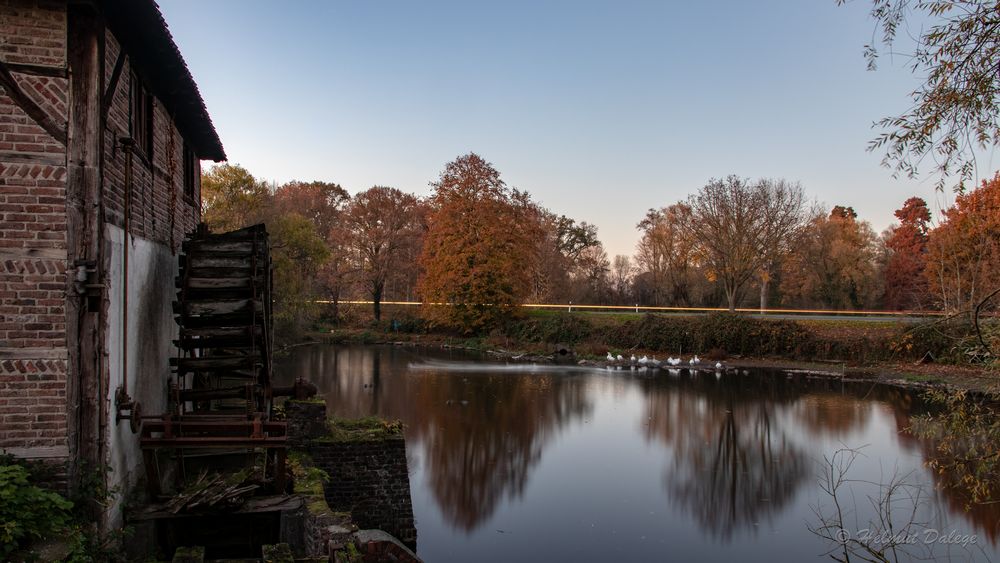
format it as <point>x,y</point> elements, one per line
<point>601,110</point>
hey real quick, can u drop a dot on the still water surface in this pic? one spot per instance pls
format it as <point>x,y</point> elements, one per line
<point>513,462</point>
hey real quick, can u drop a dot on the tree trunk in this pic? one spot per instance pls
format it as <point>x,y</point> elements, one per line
<point>377,301</point>
<point>731,296</point>
<point>763,293</point>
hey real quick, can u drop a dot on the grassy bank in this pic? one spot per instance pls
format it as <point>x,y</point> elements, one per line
<point>930,353</point>
<point>718,335</point>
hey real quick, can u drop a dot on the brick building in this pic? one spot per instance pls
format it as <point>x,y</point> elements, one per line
<point>102,130</point>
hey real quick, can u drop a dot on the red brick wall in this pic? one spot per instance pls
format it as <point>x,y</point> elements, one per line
<point>33,371</point>
<point>160,211</point>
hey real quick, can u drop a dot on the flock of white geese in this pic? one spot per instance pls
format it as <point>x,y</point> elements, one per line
<point>645,362</point>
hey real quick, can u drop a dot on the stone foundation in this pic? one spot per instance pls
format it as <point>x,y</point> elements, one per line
<point>368,487</point>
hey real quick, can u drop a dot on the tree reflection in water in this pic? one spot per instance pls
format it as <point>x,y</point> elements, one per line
<point>480,453</point>
<point>741,446</point>
<point>733,467</point>
<point>480,434</point>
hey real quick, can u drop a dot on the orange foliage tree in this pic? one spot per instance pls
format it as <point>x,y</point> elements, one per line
<point>963,259</point>
<point>320,202</point>
<point>381,223</point>
<point>832,263</point>
<point>906,243</point>
<point>480,247</point>
<point>667,250</point>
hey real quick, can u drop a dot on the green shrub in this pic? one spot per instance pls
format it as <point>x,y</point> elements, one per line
<point>27,512</point>
<point>748,336</point>
<point>653,332</point>
<point>564,328</point>
<point>721,332</point>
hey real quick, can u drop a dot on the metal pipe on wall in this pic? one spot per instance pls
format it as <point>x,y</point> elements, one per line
<point>127,145</point>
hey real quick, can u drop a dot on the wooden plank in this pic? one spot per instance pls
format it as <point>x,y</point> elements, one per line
<point>9,353</point>
<point>193,423</point>
<point>38,70</point>
<point>48,159</point>
<point>220,332</point>
<point>219,295</point>
<point>109,94</point>
<point>219,307</point>
<point>211,363</point>
<point>221,273</point>
<point>246,233</point>
<point>213,442</point>
<point>56,130</point>
<point>218,321</point>
<point>39,452</point>
<point>255,505</point>
<point>218,283</point>
<point>211,343</point>
<point>33,254</point>
<point>223,245</point>
<point>218,261</point>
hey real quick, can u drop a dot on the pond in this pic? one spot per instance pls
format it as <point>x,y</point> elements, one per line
<point>516,462</point>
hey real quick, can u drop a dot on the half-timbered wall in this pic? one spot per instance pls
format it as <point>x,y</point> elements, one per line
<point>39,287</point>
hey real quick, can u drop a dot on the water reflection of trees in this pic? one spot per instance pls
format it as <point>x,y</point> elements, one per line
<point>481,434</point>
<point>735,458</point>
<point>733,464</point>
<point>479,453</point>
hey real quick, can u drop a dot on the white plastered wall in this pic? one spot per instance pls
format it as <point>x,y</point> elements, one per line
<point>151,331</point>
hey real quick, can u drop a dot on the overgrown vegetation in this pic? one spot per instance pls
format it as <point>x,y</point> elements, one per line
<point>28,512</point>
<point>964,433</point>
<point>308,481</point>
<point>369,428</point>
<point>951,340</point>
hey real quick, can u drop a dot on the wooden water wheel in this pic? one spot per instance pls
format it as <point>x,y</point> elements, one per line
<point>223,308</point>
<point>220,400</point>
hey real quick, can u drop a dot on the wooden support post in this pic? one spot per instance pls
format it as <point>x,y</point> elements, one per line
<point>83,205</point>
<point>279,470</point>
<point>152,473</point>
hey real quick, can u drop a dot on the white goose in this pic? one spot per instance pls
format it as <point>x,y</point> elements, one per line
<point>610,357</point>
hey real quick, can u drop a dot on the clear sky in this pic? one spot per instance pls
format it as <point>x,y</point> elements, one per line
<point>601,110</point>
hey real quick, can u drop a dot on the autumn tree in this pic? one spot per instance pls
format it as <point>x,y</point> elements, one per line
<point>231,198</point>
<point>667,251</point>
<point>963,258</point>
<point>620,277</point>
<point>832,263</point>
<point>401,284</point>
<point>480,247</point>
<point>381,223</point>
<point>740,225</point>
<point>956,110</point>
<point>562,250</point>
<point>906,244</point>
<point>298,252</point>
<point>322,203</point>
<point>589,280</point>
